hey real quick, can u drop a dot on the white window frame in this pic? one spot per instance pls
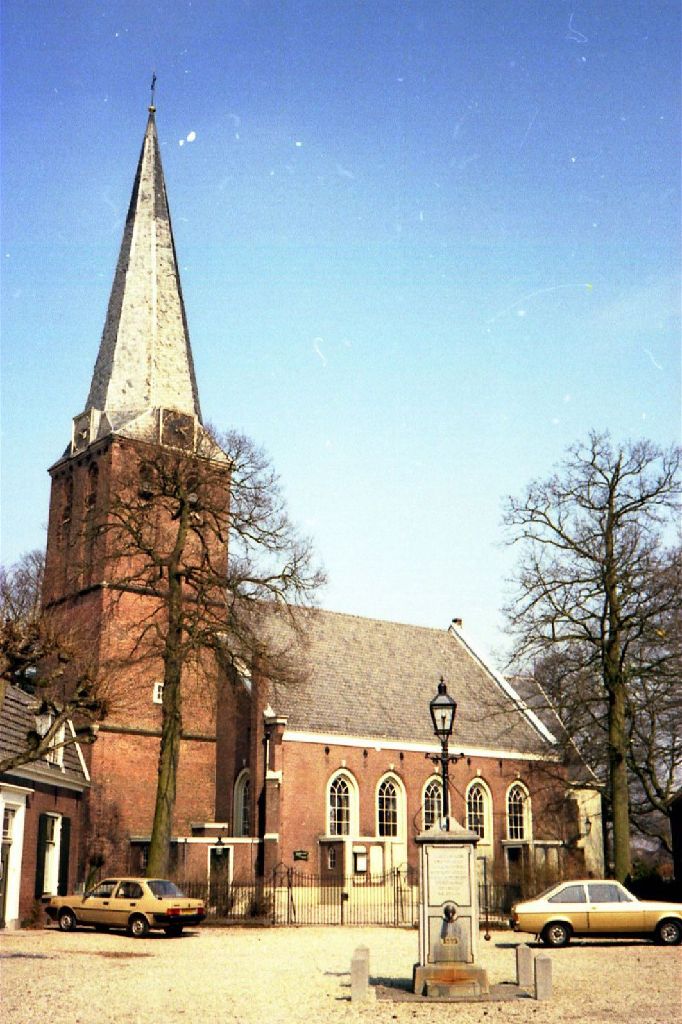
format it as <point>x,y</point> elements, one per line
<point>527,819</point>
<point>55,752</point>
<point>397,783</point>
<point>353,804</point>
<point>487,838</point>
<point>157,693</point>
<point>9,816</point>
<point>437,781</point>
<point>52,850</point>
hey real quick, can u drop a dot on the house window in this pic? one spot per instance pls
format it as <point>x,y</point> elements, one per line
<point>157,693</point>
<point>331,858</point>
<point>242,804</point>
<point>52,859</point>
<point>55,752</point>
<point>387,809</point>
<point>8,824</point>
<point>339,807</point>
<point>476,800</point>
<point>433,803</point>
<point>516,813</point>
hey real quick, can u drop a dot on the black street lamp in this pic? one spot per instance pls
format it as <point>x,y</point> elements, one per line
<point>443,710</point>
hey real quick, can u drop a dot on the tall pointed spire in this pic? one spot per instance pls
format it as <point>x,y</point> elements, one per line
<point>144,367</point>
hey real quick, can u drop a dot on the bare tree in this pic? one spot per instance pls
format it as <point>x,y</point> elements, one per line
<point>43,661</point>
<point>21,587</point>
<point>165,536</point>
<point>655,711</point>
<point>589,589</point>
<point>568,687</point>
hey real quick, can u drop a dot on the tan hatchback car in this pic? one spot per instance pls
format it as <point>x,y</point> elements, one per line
<point>136,904</point>
<point>593,907</point>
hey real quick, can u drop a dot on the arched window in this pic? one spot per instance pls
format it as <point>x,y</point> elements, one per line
<point>390,808</point>
<point>343,805</point>
<point>339,806</point>
<point>432,802</point>
<point>387,809</point>
<point>479,805</point>
<point>518,805</point>
<point>242,804</point>
<point>476,810</point>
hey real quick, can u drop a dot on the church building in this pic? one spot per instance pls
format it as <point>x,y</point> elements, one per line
<point>333,775</point>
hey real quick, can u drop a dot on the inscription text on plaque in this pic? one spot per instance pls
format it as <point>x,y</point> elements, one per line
<point>448,876</point>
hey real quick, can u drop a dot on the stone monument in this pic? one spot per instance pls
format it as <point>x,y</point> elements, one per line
<point>448,914</point>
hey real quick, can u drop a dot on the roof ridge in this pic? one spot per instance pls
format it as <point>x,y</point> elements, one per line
<point>383,622</point>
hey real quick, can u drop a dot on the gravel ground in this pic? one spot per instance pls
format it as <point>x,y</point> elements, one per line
<point>268,976</point>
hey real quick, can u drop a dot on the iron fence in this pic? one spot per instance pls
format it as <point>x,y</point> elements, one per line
<point>290,897</point>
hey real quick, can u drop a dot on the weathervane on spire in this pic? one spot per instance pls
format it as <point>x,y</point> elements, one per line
<point>152,107</point>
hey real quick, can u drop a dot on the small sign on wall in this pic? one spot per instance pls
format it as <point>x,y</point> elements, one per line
<point>300,854</point>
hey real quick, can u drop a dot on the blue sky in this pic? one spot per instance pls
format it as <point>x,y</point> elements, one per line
<point>424,247</point>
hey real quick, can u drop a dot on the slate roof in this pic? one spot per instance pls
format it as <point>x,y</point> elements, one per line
<point>533,695</point>
<point>535,698</point>
<point>374,679</point>
<point>16,719</point>
<point>145,359</point>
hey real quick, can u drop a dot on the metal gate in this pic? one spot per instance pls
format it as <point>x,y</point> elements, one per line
<point>290,897</point>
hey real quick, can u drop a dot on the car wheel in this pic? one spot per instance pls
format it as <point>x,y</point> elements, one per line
<point>138,926</point>
<point>67,920</point>
<point>556,934</point>
<point>173,930</point>
<point>669,933</point>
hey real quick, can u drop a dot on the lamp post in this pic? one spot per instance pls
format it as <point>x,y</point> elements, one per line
<point>443,710</point>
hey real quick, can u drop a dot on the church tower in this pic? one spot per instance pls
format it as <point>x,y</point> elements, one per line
<point>143,399</point>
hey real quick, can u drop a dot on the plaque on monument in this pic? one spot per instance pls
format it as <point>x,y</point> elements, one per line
<point>448,876</point>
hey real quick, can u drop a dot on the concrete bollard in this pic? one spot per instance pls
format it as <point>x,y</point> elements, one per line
<point>524,966</point>
<point>543,977</point>
<point>360,991</point>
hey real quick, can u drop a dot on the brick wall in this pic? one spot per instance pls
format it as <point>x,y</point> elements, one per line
<point>307,768</point>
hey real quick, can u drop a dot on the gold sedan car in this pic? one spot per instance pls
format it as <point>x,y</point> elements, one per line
<point>136,904</point>
<point>596,908</point>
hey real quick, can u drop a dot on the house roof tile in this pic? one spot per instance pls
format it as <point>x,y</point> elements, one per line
<point>16,720</point>
<point>370,678</point>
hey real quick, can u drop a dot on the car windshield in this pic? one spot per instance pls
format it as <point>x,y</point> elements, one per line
<point>162,888</point>
<point>545,892</point>
<point>104,889</point>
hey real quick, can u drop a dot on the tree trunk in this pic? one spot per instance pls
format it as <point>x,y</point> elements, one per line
<point>615,688</point>
<point>171,734</point>
<point>620,802</point>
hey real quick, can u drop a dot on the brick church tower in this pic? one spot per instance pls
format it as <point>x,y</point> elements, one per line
<point>143,399</point>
